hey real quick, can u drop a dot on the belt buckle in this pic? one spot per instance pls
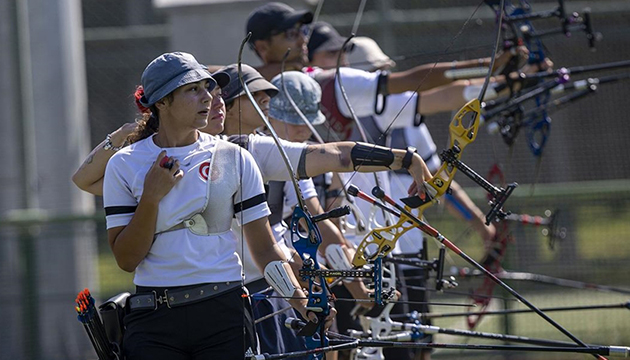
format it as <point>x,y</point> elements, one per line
<point>161,299</point>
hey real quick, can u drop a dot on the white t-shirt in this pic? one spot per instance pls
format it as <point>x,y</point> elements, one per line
<point>180,257</point>
<point>361,88</point>
<point>267,156</point>
<point>272,168</point>
<point>399,111</point>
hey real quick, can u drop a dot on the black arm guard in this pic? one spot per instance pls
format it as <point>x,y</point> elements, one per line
<point>371,155</point>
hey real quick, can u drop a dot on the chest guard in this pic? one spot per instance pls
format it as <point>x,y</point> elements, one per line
<point>222,185</point>
<point>337,122</point>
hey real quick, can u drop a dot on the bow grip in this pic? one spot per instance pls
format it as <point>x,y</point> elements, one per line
<point>334,213</point>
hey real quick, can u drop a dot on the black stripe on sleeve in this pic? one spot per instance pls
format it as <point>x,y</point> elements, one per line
<point>240,140</point>
<point>419,118</point>
<point>250,203</point>
<point>302,165</point>
<point>116,210</point>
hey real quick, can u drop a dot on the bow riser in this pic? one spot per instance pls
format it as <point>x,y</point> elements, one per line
<point>384,239</point>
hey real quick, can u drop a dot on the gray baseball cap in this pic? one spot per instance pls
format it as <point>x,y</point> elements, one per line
<point>306,94</point>
<point>253,80</point>
<point>169,71</point>
<point>367,55</point>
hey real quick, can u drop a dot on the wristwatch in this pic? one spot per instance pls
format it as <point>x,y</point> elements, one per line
<point>109,146</point>
<point>406,162</point>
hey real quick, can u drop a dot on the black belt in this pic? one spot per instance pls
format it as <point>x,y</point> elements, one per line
<point>257,286</point>
<point>179,297</point>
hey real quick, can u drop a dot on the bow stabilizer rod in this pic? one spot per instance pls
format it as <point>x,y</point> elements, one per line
<point>379,193</point>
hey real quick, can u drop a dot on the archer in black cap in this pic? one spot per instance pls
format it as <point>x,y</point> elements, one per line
<point>275,27</point>
<point>324,38</point>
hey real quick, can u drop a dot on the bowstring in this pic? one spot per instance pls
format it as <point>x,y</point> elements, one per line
<point>241,230</point>
<point>423,80</point>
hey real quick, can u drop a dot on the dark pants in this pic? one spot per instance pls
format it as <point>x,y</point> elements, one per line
<point>274,337</point>
<point>418,278</point>
<point>216,328</point>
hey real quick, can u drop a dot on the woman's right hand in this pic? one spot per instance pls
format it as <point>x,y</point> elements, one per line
<point>119,136</point>
<point>160,180</point>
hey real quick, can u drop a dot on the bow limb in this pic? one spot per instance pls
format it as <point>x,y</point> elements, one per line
<point>387,218</point>
<point>463,130</point>
<point>356,212</point>
<point>306,244</point>
<point>274,135</point>
<point>461,134</point>
<point>318,10</point>
<point>492,260</point>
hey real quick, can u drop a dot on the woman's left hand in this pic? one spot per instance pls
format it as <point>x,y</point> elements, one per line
<point>299,303</point>
<point>420,173</point>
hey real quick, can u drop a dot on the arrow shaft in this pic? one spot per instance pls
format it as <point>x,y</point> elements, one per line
<point>442,239</point>
<point>523,311</point>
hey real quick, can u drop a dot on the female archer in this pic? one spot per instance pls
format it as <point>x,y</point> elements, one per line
<point>169,201</point>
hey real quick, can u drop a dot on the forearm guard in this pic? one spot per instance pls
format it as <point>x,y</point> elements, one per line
<point>278,277</point>
<point>371,155</point>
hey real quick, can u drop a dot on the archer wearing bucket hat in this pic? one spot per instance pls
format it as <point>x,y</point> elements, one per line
<point>169,71</point>
<point>306,94</point>
<point>169,201</point>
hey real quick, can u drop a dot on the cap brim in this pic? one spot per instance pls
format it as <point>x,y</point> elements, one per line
<point>317,118</point>
<point>261,84</point>
<point>222,78</point>
<point>300,16</point>
<point>257,84</point>
<point>332,44</point>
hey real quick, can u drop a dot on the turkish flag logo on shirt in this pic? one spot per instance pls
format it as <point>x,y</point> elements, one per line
<point>204,170</point>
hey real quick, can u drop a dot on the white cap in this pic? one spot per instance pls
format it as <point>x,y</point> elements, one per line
<point>367,55</point>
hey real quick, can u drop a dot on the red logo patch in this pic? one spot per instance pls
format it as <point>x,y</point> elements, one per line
<point>204,170</point>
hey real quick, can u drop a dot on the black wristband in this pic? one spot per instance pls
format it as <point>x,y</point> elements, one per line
<point>406,162</point>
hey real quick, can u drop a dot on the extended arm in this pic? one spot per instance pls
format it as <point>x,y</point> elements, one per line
<point>342,157</point>
<point>429,76</point>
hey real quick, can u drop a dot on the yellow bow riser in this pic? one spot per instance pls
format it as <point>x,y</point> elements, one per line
<point>463,131</point>
<point>380,241</point>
